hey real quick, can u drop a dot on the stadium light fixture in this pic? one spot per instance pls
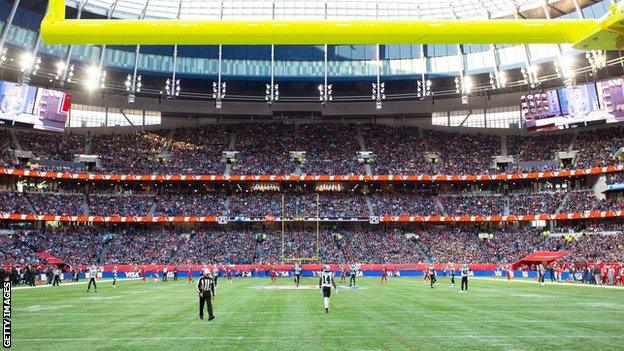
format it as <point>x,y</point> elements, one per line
<point>498,79</point>
<point>272,89</point>
<point>564,68</point>
<point>326,94</point>
<point>271,93</point>
<point>530,76</point>
<point>597,59</point>
<point>463,85</point>
<point>172,88</point>
<point>605,33</point>
<point>95,78</point>
<point>379,93</point>
<point>26,61</point>
<point>423,90</point>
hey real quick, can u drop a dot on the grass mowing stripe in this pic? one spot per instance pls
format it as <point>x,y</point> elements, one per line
<point>404,314</point>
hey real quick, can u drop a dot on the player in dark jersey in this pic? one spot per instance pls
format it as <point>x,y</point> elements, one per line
<point>450,270</point>
<point>326,282</point>
<point>464,278</point>
<point>189,271</point>
<point>115,277</point>
<point>384,275</point>
<point>228,274</point>
<point>297,272</point>
<point>432,276</point>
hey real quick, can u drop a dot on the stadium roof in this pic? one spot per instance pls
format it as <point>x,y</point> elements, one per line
<point>313,9</point>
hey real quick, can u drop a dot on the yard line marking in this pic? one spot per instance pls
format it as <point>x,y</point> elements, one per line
<point>602,286</point>
<point>69,284</point>
<point>304,322</point>
<point>299,337</point>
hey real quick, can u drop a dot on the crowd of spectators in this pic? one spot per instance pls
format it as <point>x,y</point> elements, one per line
<point>134,153</point>
<point>120,205</point>
<point>615,178</point>
<point>15,248</point>
<point>6,147</point>
<point>59,204</point>
<point>463,153</point>
<point>218,245</point>
<point>264,149</point>
<point>379,245</point>
<point>13,202</point>
<point>405,204</point>
<point>203,204</point>
<point>301,204</point>
<point>54,146</point>
<point>474,205</point>
<point>197,150</point>
<point>397,150</point>
<point>597,147</point>
<point>535,203</point>
<point>144,246</point>
<point>580,201</point>
<point>330,149</point>
<point>538,147</point>
<point>360,243</point>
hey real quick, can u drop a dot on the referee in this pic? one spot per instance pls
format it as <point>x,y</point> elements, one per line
<point>464,278</point>
<point>205,288</point>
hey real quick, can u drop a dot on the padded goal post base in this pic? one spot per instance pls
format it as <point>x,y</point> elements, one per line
<point>585,34</point>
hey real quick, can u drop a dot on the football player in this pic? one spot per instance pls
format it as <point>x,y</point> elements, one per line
<point>326,282</point>
<point>297,273</point>
<point>115,277</point>
<point>464,278</point>
<point>432,276</point>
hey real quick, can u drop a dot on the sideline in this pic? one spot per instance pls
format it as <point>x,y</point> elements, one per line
<point>523,280</point>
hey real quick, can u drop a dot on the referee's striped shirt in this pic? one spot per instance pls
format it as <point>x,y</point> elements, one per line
<point>204,284</point>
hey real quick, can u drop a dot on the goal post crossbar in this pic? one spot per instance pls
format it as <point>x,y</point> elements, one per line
<point>606,33</point>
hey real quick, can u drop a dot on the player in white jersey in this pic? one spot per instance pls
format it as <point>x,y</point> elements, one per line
<point>92,275</point>
<point>326,282</point>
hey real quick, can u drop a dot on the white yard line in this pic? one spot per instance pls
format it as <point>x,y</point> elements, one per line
<point>68,284</point>
<point>504,280</point>
<point>299,337</point>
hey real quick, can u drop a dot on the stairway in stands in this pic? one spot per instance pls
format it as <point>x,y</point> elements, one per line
<point>564,201</point>
<point>573,141</point>
<point>85,205</point>
<point>423,253</point>
<point>108,239</point>
<point>360,139</point>
<point>16,142</point>
<point>298,168</point>
<point>231,146</point>
<point>439,205</point>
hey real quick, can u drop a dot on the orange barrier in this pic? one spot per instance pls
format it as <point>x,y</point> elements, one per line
<point>314,178</point>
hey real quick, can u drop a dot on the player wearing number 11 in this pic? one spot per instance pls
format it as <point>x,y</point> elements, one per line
<point>326,282</point>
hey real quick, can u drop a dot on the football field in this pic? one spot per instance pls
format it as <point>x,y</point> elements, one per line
<point>404,314</point>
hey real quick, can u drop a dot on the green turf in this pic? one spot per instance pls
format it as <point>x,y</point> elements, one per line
<point>403,314</point>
